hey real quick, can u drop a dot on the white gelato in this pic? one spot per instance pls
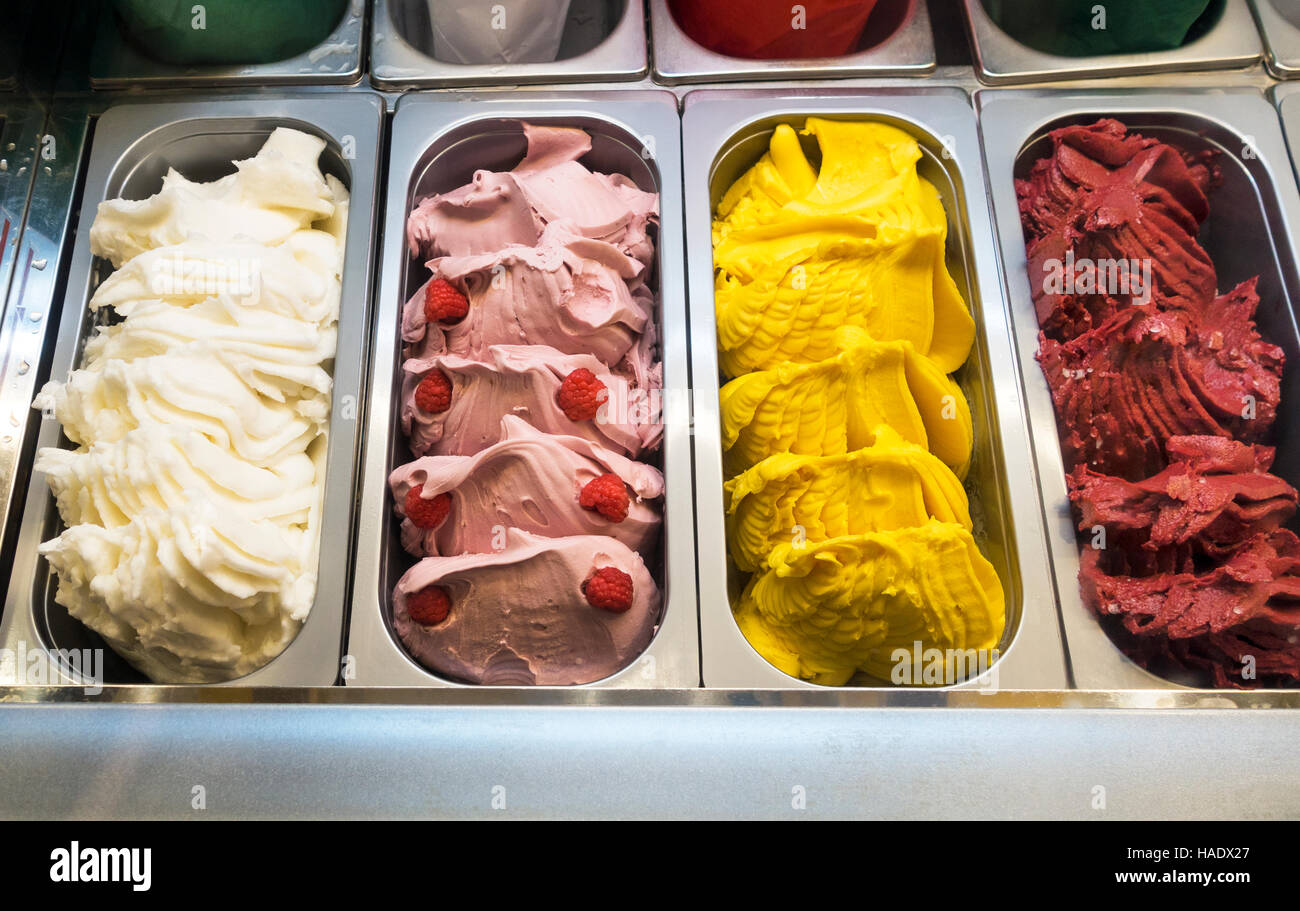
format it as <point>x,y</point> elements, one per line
<point>192,502</point>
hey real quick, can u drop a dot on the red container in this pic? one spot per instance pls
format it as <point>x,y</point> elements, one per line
<point>772,29</point>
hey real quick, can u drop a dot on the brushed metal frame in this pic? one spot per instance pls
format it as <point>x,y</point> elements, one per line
<point>1009,119</point>
<point>940,117</point>
<point>29,267</point>
<point>123,130</point>
<point>395,64</point>
<point>377,657</point>
<point>1233,43</point>
<point>1281,40</point>
<point>337,60</point>
<point>679,59</point>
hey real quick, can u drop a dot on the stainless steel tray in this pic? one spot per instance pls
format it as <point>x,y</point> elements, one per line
<point>115,64</point>
<point>401,53</point>
<point>999,59</point>
<point>724,133</point>
<point>1279,27</point>
<point>133,146</point>
<point>1249,232</point>
<point>437,144</point>
<point>905,47</point>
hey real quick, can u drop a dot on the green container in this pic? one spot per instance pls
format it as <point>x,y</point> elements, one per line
<point>227,31</point>
<point>1091,28</point>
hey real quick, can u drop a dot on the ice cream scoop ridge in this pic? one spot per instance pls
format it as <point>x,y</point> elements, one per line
<point>835,406</point>
<point>530,481</point>
<point>192,501</point>
<point>531,383</point>
<point>520,616</point>
<point>1162,398</point>
<point>860,242</point>
<point>574,294</point>
<point>827,610</point>
<point>523,380</point>
<point>891,484</point>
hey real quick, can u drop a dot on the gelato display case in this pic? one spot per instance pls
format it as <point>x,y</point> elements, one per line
<point>370,535</point>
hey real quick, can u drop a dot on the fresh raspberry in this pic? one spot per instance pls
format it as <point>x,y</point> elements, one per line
<point>426,513</point>
<point>581,395</point>
<point>609,589</point>
<point>607,495</point>
<point>429,606</point>
<point>443,303</point>
<point>433,395</point>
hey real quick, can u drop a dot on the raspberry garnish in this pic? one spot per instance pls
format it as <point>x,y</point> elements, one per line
<point>607,495</point>
<point>426,513</point>
<point>443,303</point>
<point>609,589</point>
<point>433,395</point>
<point>429,606</point>
<point>581,395</point>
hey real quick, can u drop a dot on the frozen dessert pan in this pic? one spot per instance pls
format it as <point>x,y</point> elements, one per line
<point>724,133</point>
<point>437,145</point>
<point>1249,232</point>
<point>115,63</point>
<point>1231,43</point>
<point>898,42</point>
<point>1279,27</point>
<point>604,40</point>
<point>131,150</point>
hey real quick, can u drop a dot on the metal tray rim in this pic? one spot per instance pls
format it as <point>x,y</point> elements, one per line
<point>1001,60</point>
<point>119,129</point>
<point>675,646</point>
<point>1003,138</point>
<point>395,64</point>
<point>679,59</point>
<point>297,70</point>
<point>722,645</point>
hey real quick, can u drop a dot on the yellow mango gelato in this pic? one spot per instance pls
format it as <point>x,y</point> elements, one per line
<point>845,440</point>
<point>787,498</point>
<point>827,610</point>
<point>800,253</point>
<point>834,406</point>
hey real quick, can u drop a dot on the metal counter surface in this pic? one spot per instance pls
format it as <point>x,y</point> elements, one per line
<point>696,759</point>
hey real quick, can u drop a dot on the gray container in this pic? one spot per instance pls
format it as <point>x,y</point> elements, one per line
<point>132,149</point>
<point>1232,43</point>
<point>437,145</point>
<point>116,64</point>
<point>1279,26</point>
<point>1248,233</point>
<point>725,133</point>
<point>604,40</point>
<point>898,34</point>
